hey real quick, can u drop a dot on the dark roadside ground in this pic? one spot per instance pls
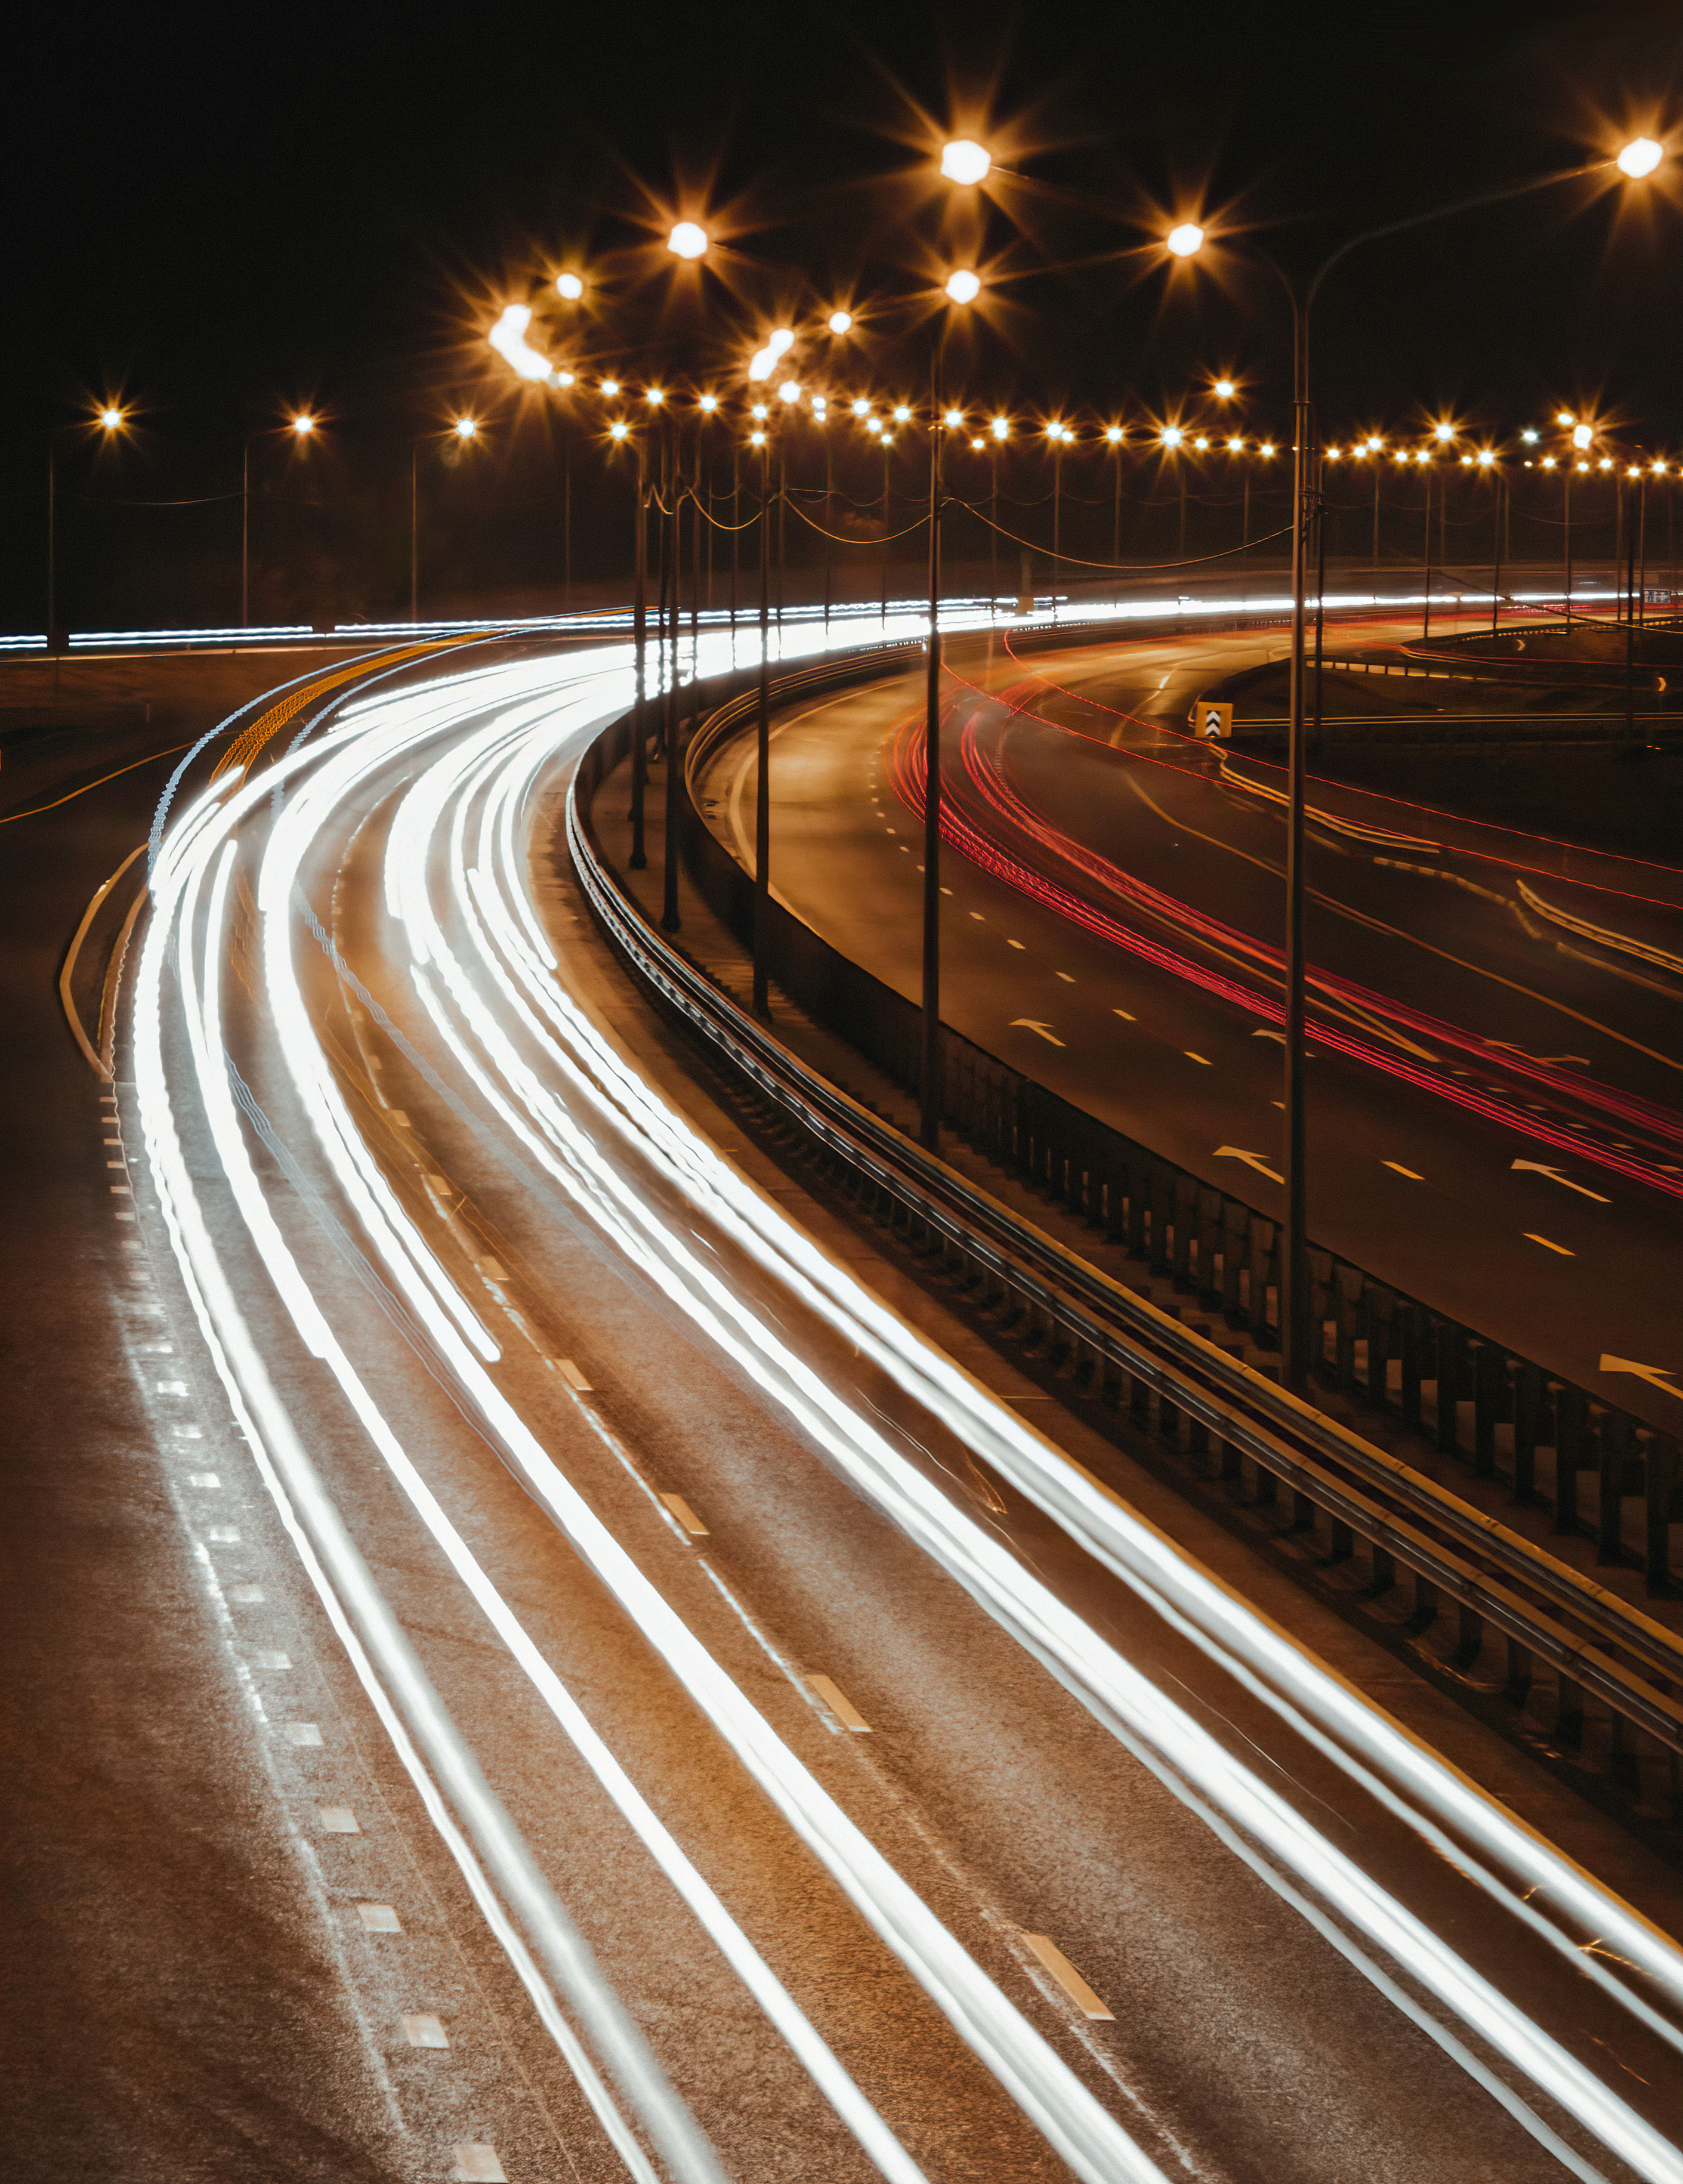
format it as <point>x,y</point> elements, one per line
<point>168,2011</point>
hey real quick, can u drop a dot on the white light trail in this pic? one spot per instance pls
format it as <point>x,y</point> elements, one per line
<point>529,710</point>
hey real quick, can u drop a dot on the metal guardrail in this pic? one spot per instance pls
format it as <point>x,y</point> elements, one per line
<point>1382,1346</point>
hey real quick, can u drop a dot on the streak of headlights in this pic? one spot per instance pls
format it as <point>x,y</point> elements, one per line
<point>1412,1781</point>
<point>1048,2091</point>
<point>491,900</point>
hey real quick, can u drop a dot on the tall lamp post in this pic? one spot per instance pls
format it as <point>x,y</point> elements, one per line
<point>462,430</point>
<point>1296,1334</point>
<point>962,288</point>
<point>108,419</point>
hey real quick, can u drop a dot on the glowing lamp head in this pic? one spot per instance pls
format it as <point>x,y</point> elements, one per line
<point>841,322</point>
<point>1332,454</point>
<point>782,338</point>
<point>1581,436</point>
<point>304,424</point>
<point>1529,437</point>
<point>610,387</point>
<point>1203,446</point>
<point>1186,241</point>
<point>1225,390</point>
<point>1002,428</point>
<point>759,410</point>
<point>1548,462</point>
<point>686,240</point>
<point>110,417</point>
<point>1657,467</point>
<point>563,378</point>
<point>963,287</point>
<point>710,403</point>
<point>1236,446</point>
<point>1605,464</point>
<point>1173,436</point>
<point>1113,434</point>
<point>654,396</point>
<point>954,418</point>
<point>1266,447</point>
<point>465,428</point>
<point>1446,431</point>
<point>861,408</point>
<point>1635,470</point>
<point>789,390</point>
<point>902,415</point>
<point>977,445</point>
<point>756,439</point>
<point>762,362</point>
<point>1640,157</point>
<point>966,161</point>
<point>570,285</point>
<point>1486,457</point>
<point>1565,418</point>
<point>1374,444</point>
<point>618,429</point>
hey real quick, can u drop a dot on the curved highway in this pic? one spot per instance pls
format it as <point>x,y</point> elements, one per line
<point>1496,1107</point>
<point>728,1740</point>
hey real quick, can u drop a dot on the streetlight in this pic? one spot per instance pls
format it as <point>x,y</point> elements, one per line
<point>962,288</point>
<point>1296,1336</point>
<point>688,240</point>
<point>109,418</point>
<point>967,163</point>
<point>462,430</point>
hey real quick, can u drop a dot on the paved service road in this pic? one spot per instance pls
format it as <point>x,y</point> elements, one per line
<point>1495,1116</point>
<point>729,1738</point>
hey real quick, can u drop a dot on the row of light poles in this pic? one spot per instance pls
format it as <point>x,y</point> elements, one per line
<point>302,427</point>
<point>967,164</point>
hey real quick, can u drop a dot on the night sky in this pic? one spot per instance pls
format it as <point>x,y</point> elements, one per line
<point>219,212</point>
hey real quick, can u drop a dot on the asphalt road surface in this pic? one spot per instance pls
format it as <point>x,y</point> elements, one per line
<point>658,1713</point>
<point>1495,1117</point>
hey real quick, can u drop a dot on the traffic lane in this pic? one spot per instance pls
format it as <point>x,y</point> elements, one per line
<point>1434,1865</point>
<point>172,1996</point>
<point>1190,1075</point>
<point>736,2075</point>
<point>1384,919</point>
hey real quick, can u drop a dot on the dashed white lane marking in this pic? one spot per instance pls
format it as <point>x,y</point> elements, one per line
<point>248,1596</point>
<point>478,2164</point>
<point>422,2032</point>
<point>302,1733</point>
<point>172,1387</point>
<point>839,1704</point>
<point>116,1163</point>
<point>574,1378</point>
<point>1015,944</point>
<point>188,1432</point>
<point>685,1515</point>
<point>1066,1976</point>
<point>1397,1168</point>
<point>120,1190</point>
<point>226,1535</point>
<point>206,1478</point>
<point>1202,1058</point>
<point>1548,1246</point>
<point>267,1658</point>
<point>378,1919</point>
<point>1125,1017</point>
<point>978,917</point>
<point>338,1820</point>
<point>1065,976</point>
